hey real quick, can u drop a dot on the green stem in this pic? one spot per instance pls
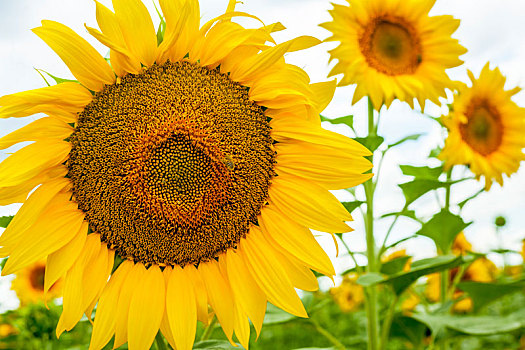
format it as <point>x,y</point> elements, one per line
<point>351,253</point>
<point>387,323</point>
<point>207,332</point>
<point>336,343</point>
<point>445,273</point>
<point>373,266</point>
<point>159,341</point>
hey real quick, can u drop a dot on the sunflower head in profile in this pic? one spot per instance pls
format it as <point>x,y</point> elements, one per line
<point>189,171</point>
<point>392,49</point>
<point>485,128</point>
<point>29,284</point>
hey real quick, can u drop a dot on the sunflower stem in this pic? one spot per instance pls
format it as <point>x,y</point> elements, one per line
<point>336,343</point>
<point>371,292</point>
<point>387,323</point>
<point>159,341</point>
<point>207,332</point>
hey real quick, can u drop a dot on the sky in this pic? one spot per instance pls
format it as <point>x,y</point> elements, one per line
<point>490,30</point>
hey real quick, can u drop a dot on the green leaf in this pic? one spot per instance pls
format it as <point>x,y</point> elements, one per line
<point>369,279</point>
<point>484,293</point>
<point>394,266</point>
<point>55,78</point>
<point>332,348</point>
<point>215,345</point>
<point>351,206</point>
<point>160,31</point>
<point>412,190</point>
<point>370,142</point>
<point>472,325</point>
<point>274,315</point>
<point>443,228</point>
<point>413,137</point>
<point>422,172</point>
<point>409,328</point>
<point>5,220</point>
<point>403,280</point>
<point>435,152</point>
<point>346,120</point>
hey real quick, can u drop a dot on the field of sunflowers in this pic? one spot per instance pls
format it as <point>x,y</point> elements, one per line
<point>185,174</point>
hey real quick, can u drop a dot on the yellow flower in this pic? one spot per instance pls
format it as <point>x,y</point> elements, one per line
<point>29,284</point>
<point>398,254</point>
<point>199,161</point>
<point>6,330</point>
<point>394,49</point>
<point>461,246</point>
<point>485,128</point>
<point>410,302</point>
<point>348,295</point>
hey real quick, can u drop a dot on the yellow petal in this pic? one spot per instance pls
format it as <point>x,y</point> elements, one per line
<point>269,273</point>
<point>200,293</point>
<point>96,274</point>
<point>296,239</point>
<point>181,308</point>
<point>74,289</point>
<point>134,278</point>
<point>245,289</point>
<point>137,29</point>
<point>324,92</point>
<point>219,295</point>
<point>105,319</point>
<point>55,227</point>
<point>146,309</point>
<point>31,160</point>
<point>309,204</point>
<point>40,129</point>
<point>59,262</point>
<point>289,127</point>
<point>241,326</point>
<point>300,276</point>
<point>71,96</point>
<point>30,211</point>
<point>86,64</point>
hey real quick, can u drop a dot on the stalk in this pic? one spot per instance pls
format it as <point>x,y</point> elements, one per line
<point>373,267</point>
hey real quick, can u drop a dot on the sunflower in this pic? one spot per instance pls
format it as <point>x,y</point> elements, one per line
<point>29,284</point>
<point>485,128</point>
<point>393,49</point>
<point>349,295</point>
<point>190,171</point>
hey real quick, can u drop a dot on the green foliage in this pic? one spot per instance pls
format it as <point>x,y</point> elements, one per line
<point>5,220</point>
<point>57,80</point>
<point>416,188</point>
<point>346,120</point>
<point>215,344</point>
<point>422,172</point>
<point>371,142</point>
<point>485,293</point>
<point>443,228</point>
<point>413,137</point>
<point>394,266</point>
<point>351,206</point>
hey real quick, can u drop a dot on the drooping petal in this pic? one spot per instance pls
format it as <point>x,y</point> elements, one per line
<point>40,129</point>
<point>269,274</point>
<point>146,309</point>
<point>181,308</point>
<point>220,295</point>
<point>105,321</point>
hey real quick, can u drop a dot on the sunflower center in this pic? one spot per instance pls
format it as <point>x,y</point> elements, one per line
<point>391,46</point>
<point>172,165</point>
<point>36,277</point>
<point>483,130</point>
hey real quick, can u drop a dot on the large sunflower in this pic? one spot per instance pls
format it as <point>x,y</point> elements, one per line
<point>29,284</point>
<point>394,49</point>
<point>198,161</point>
<point>485,128</point>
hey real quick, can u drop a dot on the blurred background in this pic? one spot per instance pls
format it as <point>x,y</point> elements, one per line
<point>490,30</point>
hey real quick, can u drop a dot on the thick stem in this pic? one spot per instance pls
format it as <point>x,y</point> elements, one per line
<point>373,267</point>
<point>445,273</point>
<point>159,341</point>
<point>336,343</point>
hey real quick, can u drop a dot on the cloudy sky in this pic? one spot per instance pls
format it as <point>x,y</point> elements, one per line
<point>490,30</point>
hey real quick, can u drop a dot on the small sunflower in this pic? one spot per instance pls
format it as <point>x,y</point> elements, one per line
<point>461,246</point>
<point>190,171</point>
<point>29,284</point>
<point>349,295</point>
<point>392,49</point>
<point>485,128</point>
